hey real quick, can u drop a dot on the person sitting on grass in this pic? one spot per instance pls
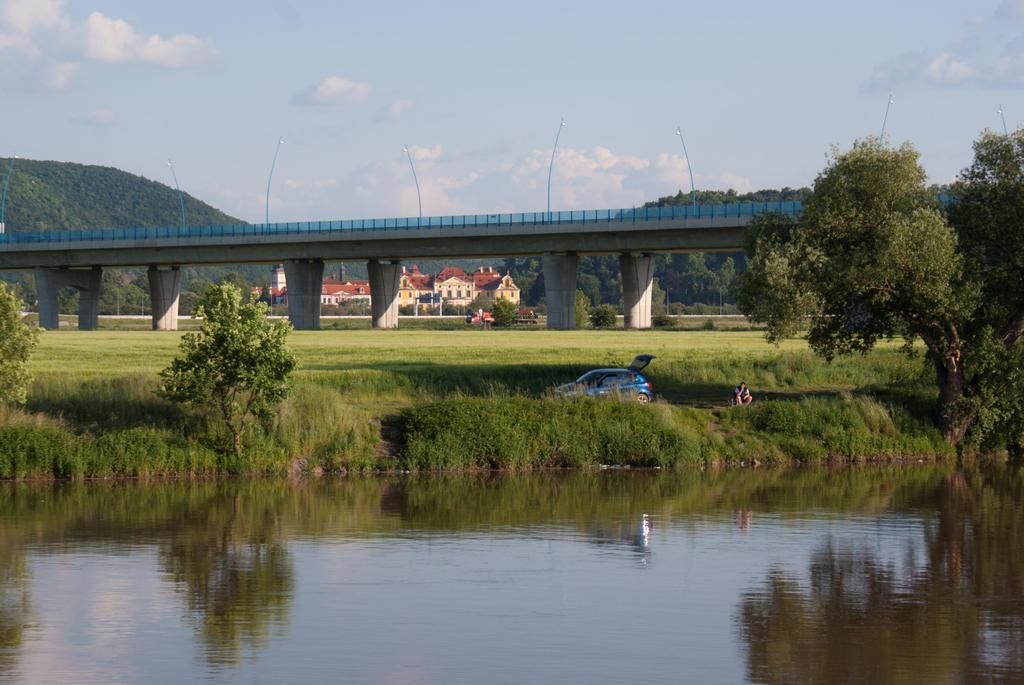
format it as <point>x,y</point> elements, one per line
<point>741,395</point>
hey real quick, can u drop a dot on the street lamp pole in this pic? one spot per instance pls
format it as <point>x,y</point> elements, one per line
<point>881,136</point>
<point>1002,115</point>
<point>280,141</point>
<point>693,191</point>
<point>3,201</point>
<point>419,197</point>
<point>181,198</point>
<point>552,164</point>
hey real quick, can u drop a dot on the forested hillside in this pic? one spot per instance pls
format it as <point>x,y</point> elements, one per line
<point>51,196</point>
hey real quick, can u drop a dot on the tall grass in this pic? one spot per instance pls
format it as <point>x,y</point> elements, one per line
<point>519,432</point>
<point>469,399</point>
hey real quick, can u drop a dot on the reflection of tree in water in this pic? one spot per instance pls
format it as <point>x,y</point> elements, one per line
<point>863,618</point>
<point>236,571</point>
<point>14,603</point>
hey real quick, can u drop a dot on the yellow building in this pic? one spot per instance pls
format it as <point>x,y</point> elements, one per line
<point>454,286</point>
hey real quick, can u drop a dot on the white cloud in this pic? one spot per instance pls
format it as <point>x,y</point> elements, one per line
<point>393,110</point>
<point>28,16</point>
<point>114,40</point>
<point>97,117</point>
<point>51,46</point>
<point>947,69</point>
<point>314,185</point>
<point>985,53</point>
<point>58,76</point>
<point>426,154</point>
<point>334,90</point>
<point>468,183</point>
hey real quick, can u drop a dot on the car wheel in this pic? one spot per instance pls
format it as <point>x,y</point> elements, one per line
<point>643,398</point>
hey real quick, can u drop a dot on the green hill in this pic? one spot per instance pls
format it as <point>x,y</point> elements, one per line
<point>54,196</point>
<point>49,196</point>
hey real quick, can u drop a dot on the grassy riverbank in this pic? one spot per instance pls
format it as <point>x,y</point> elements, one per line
<point>470,398</point>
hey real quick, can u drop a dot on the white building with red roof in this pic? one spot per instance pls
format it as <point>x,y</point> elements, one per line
<point>451,284</point>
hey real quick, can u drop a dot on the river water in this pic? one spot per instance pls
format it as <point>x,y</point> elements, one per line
<point>867,575</point>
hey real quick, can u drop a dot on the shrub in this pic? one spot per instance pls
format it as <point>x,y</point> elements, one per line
<point>709,325</point>
<point>664,321</point>
<point>39,451</point>
<point>519,432</point>
<point>603,316</point>
<point>237,364</point>
<point>504,313</point>
<point>582,311</point>
<point>16,343</point>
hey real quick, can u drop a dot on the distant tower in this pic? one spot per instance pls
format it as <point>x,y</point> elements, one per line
<point>277,280</point>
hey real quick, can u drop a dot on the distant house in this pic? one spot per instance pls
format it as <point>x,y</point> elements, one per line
<point>335,292</point>
<point>495,286</point>
<point>454,286</point>
<point>451,285</point>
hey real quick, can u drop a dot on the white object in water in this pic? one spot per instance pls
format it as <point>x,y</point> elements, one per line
<point>645,528</point>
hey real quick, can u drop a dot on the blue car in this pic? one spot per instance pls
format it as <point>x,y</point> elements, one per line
<point>628,382</point>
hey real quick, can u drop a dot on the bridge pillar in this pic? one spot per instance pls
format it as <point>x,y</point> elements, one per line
<point>637,286</point>
<point>49,282</point>
<point>304,280</point>
<point>560,290</point>
<point>164,289</point>
<point>385,277</point>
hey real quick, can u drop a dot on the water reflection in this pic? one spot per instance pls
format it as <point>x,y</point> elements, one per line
<point>15,603</point>
<point>231,561</point>
<point>953,612</point>
<point>937,594</point>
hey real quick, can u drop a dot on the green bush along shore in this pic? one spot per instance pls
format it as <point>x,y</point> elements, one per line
<point>419,399</point>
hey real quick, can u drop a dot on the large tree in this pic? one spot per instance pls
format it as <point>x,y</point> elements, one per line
<point>236,365</point>
<point>875,257</point>
<point>16,343</point>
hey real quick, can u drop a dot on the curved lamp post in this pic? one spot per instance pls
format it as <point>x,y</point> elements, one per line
<point>1002,115</point>
<point>419,197</point>
<point>552,164</point>
<point>280,142</point>
<point>181,198</point>
<point>881,136</point>
<point>693,191</point>
<point>3,200</point>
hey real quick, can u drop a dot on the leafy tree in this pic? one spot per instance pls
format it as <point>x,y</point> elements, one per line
<point>874,258</point>
<point>504,313</point>
<point>16,343</point>
<point>590,284</point>
<point>721,280</point>
<point>479,302</point>
<point>237,363</point>
<point>582,311</point>
<point>659,304</point>
<point>603,316</point>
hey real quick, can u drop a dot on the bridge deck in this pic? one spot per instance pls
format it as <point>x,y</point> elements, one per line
<point>653,229</point>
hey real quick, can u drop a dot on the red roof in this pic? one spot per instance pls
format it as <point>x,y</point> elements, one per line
<point>348,288</point>
<point>451,272</point>
<point>486,280</point>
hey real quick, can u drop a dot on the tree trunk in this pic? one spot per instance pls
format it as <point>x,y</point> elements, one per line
<point>953,418</point>
<point>236,439</point>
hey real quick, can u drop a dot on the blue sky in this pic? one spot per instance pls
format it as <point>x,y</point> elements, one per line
<point>476,89</point>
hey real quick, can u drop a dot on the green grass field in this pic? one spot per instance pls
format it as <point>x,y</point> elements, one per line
<point>490,382</point>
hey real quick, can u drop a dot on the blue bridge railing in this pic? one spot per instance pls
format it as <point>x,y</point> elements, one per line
<point>588,216</point>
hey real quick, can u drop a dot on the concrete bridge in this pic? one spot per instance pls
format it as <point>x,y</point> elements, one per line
<point>75,259</point>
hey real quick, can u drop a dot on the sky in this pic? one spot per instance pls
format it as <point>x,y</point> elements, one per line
<point>477,89</point>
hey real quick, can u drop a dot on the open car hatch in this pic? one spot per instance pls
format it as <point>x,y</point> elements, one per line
<point>640,362</point>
